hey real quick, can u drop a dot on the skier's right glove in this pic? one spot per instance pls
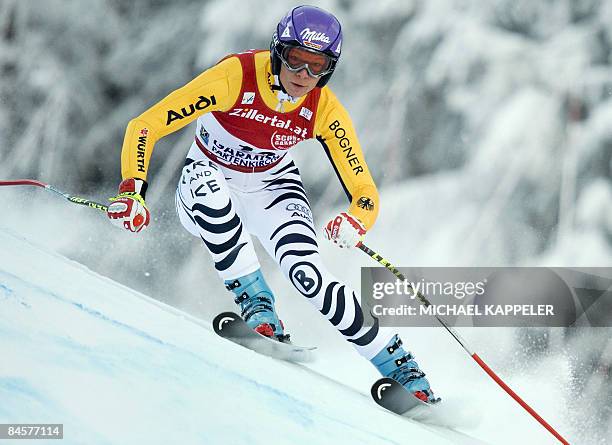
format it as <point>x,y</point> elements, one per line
<point>128,209</point>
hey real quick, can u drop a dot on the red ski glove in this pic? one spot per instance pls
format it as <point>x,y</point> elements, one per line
<point>345,230</point>
<point>128,209</point>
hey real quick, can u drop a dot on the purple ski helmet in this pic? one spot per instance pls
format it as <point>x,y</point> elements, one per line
<point>311,28</point>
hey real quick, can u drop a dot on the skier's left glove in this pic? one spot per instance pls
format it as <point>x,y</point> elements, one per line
<point>345,230</point>
<point>128,209</point>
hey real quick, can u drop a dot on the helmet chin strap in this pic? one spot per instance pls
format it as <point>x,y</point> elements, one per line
<point>277,85</point>
<point>282,94</point>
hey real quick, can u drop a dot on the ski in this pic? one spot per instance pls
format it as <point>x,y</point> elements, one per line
<point>392,396</point>
<point>232,327</point>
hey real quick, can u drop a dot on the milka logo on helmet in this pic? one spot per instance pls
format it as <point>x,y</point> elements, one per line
<point>308,35</point>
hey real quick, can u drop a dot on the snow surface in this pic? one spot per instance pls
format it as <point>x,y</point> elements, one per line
<point>117,367</point>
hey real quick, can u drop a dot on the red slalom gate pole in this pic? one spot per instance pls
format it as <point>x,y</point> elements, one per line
<point>72,199</point>
<point>424,301</point>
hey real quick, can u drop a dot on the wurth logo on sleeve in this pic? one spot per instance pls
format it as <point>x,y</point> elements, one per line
<point>141,147</point>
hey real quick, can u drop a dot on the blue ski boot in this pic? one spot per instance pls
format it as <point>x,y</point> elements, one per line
<point>256,302</point>
<point>394,362</point>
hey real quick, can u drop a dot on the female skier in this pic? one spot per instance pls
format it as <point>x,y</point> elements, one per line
<point>239,180</point>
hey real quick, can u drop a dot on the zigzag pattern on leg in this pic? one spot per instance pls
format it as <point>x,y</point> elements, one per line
<point>219,226</point>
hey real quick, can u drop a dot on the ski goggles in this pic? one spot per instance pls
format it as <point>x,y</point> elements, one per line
<point>296,58</point>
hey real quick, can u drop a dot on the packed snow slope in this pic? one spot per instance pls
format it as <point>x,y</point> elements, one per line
<point>117,367</point>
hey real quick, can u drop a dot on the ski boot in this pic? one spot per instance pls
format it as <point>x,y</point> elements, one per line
<point>394,362</point>
<point>256,302</point>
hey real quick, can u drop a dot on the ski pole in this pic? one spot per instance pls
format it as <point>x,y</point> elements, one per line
<point>73,199</point>
<point>384,262</point>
